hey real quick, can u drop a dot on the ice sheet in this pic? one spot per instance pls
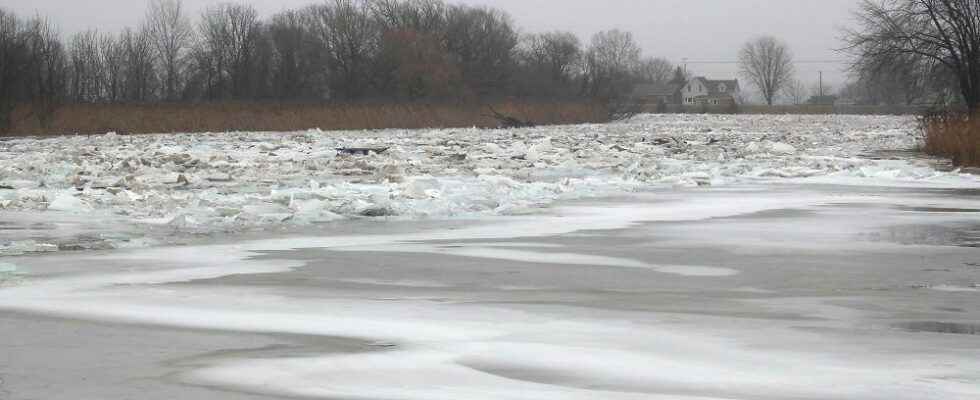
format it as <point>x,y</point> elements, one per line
<point>448,351</point>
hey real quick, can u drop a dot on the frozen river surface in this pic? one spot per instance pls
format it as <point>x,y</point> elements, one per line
<point>842,276</point>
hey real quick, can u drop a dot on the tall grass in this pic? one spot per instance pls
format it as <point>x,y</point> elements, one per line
<point>953,135</point>
<point>216,117</point>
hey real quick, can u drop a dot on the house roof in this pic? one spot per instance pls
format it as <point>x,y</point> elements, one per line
<point>715,85</point>
<point>656,89</point>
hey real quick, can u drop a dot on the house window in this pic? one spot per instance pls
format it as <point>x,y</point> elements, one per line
<point>714,102</point>
<point>722,88</point>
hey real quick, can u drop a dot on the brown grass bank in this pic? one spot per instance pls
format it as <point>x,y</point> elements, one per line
<point>953,135</point>
<point>216,117</point>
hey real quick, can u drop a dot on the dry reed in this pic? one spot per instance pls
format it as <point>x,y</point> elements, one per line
<point>216,117</point>
<point>953,135</point>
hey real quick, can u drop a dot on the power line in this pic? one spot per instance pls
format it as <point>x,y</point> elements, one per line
<point>795,62</point>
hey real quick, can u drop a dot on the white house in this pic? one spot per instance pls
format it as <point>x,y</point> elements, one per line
<point>703,91</point>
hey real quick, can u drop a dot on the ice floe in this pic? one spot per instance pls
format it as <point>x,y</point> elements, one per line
<point>234,181</point>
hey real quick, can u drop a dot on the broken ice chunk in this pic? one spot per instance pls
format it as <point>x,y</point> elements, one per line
<point>422,188</point>
<point>8,273</point>
<point>781,148</point>
<point>69,203</point>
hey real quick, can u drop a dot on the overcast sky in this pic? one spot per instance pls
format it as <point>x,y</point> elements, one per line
<point>699,30</point>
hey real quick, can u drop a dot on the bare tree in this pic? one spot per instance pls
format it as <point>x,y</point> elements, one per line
<point>547,65</point>
<point>297,58</point>
<point>556,53</point>
<point>171,34</point>
<point>225,57</point>
<point>48,70</point>
<point>483,42</point>
<point>86,67</point>
<point>897,78</point>
<point>654,70</point>
<point>210,55</point>
<point>609,62</point>
<point>14,66</point>
<point>351,38</point>
<point>946,32</point>
<point>32,68</point>
<point>412,58</point>
<point>796,92</point>
<point>419,67</point>
<point>422,16</point>
<point>243,27</point>
<point>768,64</point>
<point>112,55</point>
<point>140,74</point>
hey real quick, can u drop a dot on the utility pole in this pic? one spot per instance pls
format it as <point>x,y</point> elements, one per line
<point>821,85</point>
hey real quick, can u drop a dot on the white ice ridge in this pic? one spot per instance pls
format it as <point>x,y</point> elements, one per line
<point>205,183</point>
<point>553,257</point>
<point>452,351</point>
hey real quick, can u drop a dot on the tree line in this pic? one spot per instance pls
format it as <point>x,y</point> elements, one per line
<point>905,52</point>
<point>333,51</point>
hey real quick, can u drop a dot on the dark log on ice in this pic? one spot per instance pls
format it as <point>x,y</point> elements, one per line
<point>507,121</point>
<point>363,151</point>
